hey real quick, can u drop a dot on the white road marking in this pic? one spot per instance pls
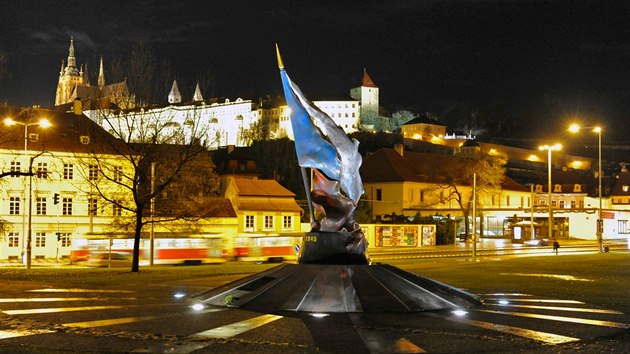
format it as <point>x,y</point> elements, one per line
<point>124,320</point>
<point>237,328</point>
<point>545,337</point>
<point>13,333</point>
<point>562,319</point>
<point>63,309</point>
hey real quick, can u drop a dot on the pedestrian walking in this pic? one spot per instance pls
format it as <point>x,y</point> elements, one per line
<point>556,245</point>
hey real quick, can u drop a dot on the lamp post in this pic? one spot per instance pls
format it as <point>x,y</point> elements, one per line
<point>574,128</point>
<point>550,148</point>
<point>43,123</point>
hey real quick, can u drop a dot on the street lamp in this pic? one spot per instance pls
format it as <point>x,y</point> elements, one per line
<point>549,148</point>
<point>574,128</point>
<point>43,123</point>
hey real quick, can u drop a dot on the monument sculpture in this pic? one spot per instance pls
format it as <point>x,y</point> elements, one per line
<point>336,185</point>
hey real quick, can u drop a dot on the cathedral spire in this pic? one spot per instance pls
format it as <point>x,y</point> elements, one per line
<point>71,59</point>
<point>62,67</point>
<point>197,96</point>
<point>101,75</point>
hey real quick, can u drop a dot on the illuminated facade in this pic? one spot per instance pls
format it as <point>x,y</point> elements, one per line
<point>74,83</point>
<point>404,183</point>
<point>424,128</point>
<point>263,206</point>
<point>63,204</point>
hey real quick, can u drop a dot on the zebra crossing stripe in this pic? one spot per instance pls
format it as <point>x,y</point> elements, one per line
<point>562,319</point>
<point>13,333</point>
<point>562,308</point>
<point>123,320</point>
<point>63,309</point>
<point>545,337</point>
<point>237,328</point>
<point>58,299</point>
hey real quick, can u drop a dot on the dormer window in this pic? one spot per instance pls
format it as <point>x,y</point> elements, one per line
<point>625,188</point>
<point>577,188</point>
<point>84,139</point>
<point>539,188</point>
<point>557,188</point>
<point>33,137</point>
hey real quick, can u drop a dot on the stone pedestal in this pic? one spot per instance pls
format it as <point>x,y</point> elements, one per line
<point>332,248</point>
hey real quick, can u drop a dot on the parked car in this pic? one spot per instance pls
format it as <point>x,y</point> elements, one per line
<point>102,259</point>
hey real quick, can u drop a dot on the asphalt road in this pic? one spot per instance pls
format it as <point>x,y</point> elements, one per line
<point>35,318</point>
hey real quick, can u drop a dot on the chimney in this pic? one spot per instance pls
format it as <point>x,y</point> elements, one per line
<point>399,149</point>
<point>77,107</point>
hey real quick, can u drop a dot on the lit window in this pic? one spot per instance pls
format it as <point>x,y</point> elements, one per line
<point>93,172</point>
<point>15,167</point>
<point>249,222</point>
<point>13,239</point>
<point>268,222</point>
<point>287,222</point>
<point>68,171</point>
<point>118,174</point>
<point>66,206</point>
<point>42,170</point>
<point>624,188</point>
<point>92,206</point>
<point>40,206</point>
<point>14,205</point>
<point>64,239</point>
<point>40,239</point>
<point>623,227</point>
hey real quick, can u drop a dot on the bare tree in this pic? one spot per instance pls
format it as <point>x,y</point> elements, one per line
<point>456,180</point>
<point>160,157</point>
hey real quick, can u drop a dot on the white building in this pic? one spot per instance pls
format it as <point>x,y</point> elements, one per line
<point>224,122</point>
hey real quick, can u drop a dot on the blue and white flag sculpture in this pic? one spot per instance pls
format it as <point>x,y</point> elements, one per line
<point>324,147</point>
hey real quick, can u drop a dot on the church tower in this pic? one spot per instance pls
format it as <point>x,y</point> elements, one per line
<point>367,95</point>
<point>69,78</point>
<point>101,75</point>
<point>197,96</point>
<point>174,96</point>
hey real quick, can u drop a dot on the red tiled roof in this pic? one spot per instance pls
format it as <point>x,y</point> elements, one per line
<point>63,136</point>
<point>386,165</point>
<point>367,80</point>
<point>262,188</point>
<point>269,204</point>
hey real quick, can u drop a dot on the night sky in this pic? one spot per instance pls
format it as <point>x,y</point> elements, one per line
<point>537,64</point>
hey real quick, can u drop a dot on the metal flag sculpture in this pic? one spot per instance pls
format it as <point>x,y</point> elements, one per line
<point>324,147</point>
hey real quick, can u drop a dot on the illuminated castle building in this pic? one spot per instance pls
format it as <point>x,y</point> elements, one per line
<point>74,83</point>
<point>228,122</point>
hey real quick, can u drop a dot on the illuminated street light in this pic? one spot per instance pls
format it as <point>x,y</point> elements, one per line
<point>549,148</point>
<point>43,123</point>
<point>574,128</point>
